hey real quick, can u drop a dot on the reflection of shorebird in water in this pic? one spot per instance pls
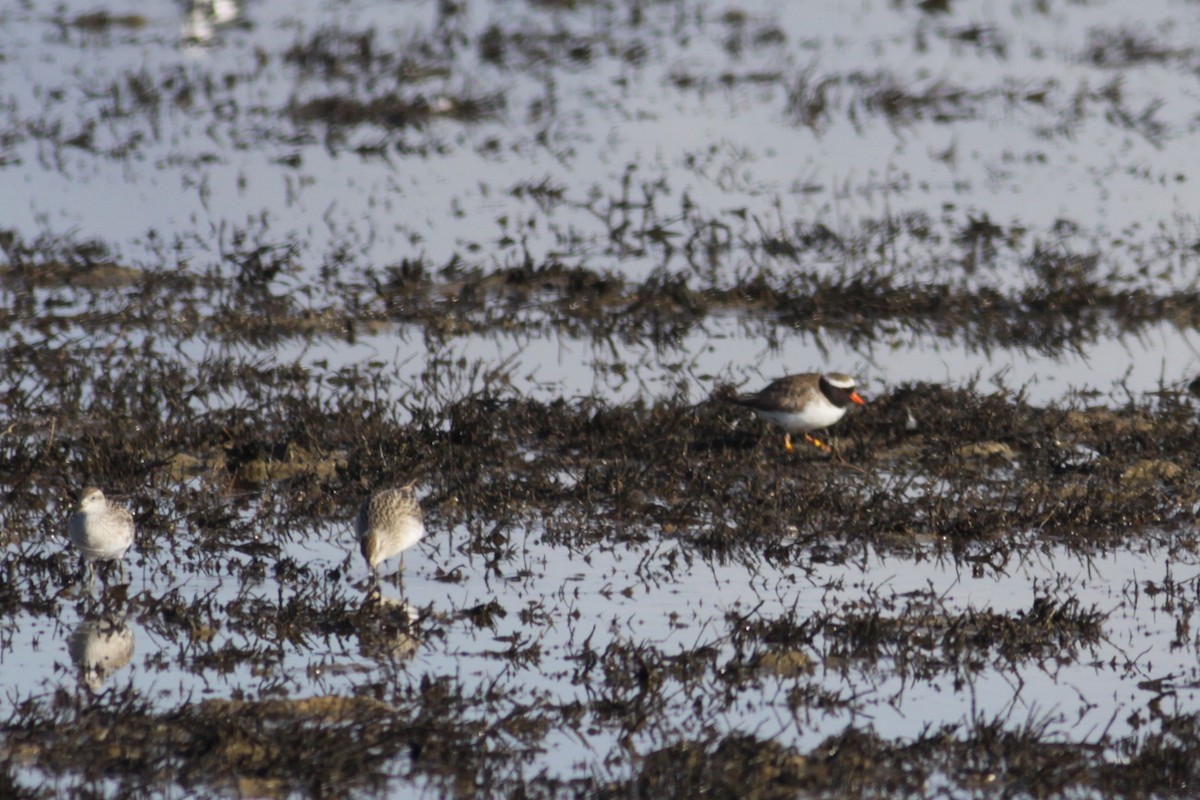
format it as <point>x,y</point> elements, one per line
<point>386,629</point>
<point>100,530</point>
<point>388,523</point>
<point>98,648</point>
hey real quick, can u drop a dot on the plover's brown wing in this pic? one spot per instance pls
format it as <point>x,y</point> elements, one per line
<point>785,394</point>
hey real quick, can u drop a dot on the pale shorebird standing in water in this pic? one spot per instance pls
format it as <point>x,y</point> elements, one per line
<point>388,523</point>
<point>101,531</point>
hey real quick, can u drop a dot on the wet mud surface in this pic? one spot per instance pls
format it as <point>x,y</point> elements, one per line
<point>976,593</point>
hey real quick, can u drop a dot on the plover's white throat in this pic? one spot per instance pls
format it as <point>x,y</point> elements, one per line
<point>100,530</point>
<point>803,403</point>
<point>388,523</point>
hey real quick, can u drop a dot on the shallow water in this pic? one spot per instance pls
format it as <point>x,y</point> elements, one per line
<point>550,599</point>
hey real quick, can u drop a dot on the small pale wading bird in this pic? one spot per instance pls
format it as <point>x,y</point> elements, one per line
<point>803,403</point>
<point>101,531</point>
<point>388,523</point>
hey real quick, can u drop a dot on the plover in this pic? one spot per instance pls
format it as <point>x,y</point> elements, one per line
<point>803,403</point>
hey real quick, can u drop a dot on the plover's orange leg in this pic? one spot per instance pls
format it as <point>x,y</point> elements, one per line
<point>816,442</point>
<point>787,442</point>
